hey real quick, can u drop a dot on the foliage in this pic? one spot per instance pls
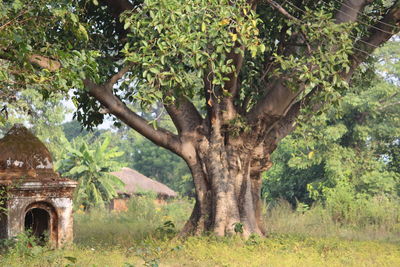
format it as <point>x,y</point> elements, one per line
<point>73,129</point>
<point>238,228</point>
<point>322,69</point>
<point>91,167</point>
<point>349,207</point>
<point>351,149</point>
<point>184,47</point>
<point>179,45</point>
<point>140,154</point>
<point>179,42</point>
<point>24,245</point>
<point>348,217</point>
<point>25,42</point>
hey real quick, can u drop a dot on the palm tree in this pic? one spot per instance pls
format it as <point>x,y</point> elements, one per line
<point>91,168</point>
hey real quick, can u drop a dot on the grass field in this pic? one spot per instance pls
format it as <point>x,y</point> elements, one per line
<point>144,236</point>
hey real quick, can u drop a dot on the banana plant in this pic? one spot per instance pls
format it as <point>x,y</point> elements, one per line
<point>91,167</point>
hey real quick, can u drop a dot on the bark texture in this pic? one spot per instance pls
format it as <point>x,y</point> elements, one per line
<point>228,189</point>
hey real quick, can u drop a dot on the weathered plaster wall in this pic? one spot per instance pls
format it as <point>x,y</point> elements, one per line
<point>56,201</point>
<point>65,219</point>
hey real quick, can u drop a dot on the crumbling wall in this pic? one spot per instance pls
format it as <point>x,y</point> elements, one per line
<point>56,201</point>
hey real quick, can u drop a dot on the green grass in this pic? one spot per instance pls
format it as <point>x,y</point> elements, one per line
<point>279,250</point>
<point>140,237</point>
<point>375,222</point>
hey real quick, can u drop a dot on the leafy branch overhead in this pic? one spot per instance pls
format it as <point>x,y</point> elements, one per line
<point>179,44</point>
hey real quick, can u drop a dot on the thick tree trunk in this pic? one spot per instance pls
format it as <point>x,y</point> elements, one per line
<point>228,191</point>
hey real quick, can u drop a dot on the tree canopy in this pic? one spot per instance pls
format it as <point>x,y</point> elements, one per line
<point>234,76</point>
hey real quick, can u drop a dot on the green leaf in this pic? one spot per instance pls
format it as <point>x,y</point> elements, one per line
<point>82,31</point>
<point>203,27</point>
<point>154,70</point>
<point>74,151</point>
<point>126,26</point>
<point>105,144</point>
<point>77,170</point>
<point>71,259</point>
<point>262,48</point>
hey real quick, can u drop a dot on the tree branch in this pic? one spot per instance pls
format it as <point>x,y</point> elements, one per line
<point>184,115</point>
<point>118,6</point>
<point>349,10</point>
<point>389,105</point>
<point>379,33</point>
<point>288,123</point>
<point>283,11</point>
<point>113,105</point>
<point>116,107</point>
<point>230,110</point>
<point>382,101</point>
<point>114,79</point>
<point>278,101</point>
<point>44,62</point>
<point>275,103</point>
<point>14,19</point>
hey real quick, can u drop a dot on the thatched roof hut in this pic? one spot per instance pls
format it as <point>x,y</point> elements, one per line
<point>136,182</point>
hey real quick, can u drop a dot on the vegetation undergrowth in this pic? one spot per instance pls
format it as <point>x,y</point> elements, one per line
<point>367,219</point>
<point>144,219</point>
<point>144,236</point>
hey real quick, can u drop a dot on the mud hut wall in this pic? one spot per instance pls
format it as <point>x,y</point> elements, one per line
<point>119,204</point>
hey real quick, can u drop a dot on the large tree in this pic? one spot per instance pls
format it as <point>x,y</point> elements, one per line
<point>255,67</point>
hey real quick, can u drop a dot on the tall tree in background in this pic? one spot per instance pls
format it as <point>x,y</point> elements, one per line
<point>256,66</point>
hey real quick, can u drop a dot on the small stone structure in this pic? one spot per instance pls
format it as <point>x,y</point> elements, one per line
<point>33,196</point>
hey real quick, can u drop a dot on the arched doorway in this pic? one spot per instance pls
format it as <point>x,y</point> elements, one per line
<point>37,221</point>
<point>41,221</point>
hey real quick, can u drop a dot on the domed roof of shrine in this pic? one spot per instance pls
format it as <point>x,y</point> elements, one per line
<point>21,149</point>
<point>23,154</point>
